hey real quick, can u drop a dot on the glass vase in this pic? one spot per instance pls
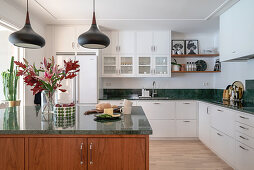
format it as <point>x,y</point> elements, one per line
<point>47,104</point>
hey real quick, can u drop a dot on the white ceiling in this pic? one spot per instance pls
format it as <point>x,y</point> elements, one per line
<point>178,15</point>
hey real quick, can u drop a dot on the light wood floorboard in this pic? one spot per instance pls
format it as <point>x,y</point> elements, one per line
<point>183,155</point>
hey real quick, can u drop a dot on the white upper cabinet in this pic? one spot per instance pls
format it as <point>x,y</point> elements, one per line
<point>126,42</point>
<point>121,42</point>
<point>80,30</point>
<point>156,42</point>
<point>145,42</point>
<point>161,41</point>
<point>113,46</point>
<point>65,39</point>
<point>236,31</point>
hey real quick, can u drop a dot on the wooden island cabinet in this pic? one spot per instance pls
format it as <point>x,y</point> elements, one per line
<point>75,152</point>
<point>79,143</point>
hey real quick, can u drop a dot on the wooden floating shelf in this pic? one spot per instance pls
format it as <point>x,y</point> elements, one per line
<point>196,71</point>
<point>194,55</point>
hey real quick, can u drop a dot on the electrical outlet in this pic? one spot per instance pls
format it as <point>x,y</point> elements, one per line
<point>205,84</point>
<point>108,84</point>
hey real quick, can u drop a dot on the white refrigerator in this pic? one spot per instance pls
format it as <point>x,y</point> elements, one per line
<point>87,80</point>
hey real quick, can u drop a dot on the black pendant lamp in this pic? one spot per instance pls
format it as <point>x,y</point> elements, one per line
<point>93,38</point>
<point>26,37</point>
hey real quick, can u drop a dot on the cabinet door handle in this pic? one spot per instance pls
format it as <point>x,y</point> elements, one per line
<point>119,48</point>
<point>233,51</point>
<point>187,121</point>
<point>186,103</point>
<point>244,128</point>
<point>243,148</point>
<point>155,49</point>
<point>152,48</point>
<point>243,138</point>
<point>219,110</point>
<point>81,154</point>
<point>156,103</point>
<point>219,134</point>
<point>91,156</point>
<point>73,45</point>
<point>207,111</point>
<point>244,117</point>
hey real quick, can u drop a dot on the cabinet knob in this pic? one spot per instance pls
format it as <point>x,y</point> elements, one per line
<point>243,138</point>
<point>73,45</point>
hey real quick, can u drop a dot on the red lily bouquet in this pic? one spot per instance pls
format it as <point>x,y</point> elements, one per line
<point>49,76</point>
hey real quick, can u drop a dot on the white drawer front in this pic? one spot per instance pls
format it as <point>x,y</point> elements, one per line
<point>163,128</point>
<point>186,110</point>
<point>244,157</point>
<point>245,119</point>
<point>186,128</point>
<point>158,110</point>
<point>245,139</point>
<point>245,129</point>
<point>223,120</point>
<point>223,145</point>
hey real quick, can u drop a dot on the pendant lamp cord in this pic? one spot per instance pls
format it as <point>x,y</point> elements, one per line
<point>26,5</point>
<point>93,5</point>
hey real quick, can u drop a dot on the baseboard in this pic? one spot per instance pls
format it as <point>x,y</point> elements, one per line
<point>173,138</point>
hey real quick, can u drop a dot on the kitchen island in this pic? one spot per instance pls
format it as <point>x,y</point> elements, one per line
<point>29,141</point>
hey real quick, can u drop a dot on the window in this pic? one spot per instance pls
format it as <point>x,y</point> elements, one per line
<point>7,50</point>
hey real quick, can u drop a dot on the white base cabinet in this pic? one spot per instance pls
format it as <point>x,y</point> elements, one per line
<point>163,128</point>
<point>186,128</point>
<point>204,123</point>
<point>223,145</point>
<point>244,157</point>
<point>229,133</point>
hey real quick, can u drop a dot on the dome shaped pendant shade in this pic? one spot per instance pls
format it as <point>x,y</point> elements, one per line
<point>93,38</point>
<point>26,37</point>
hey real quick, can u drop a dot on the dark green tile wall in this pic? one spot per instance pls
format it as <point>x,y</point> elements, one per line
<point>171,93</point>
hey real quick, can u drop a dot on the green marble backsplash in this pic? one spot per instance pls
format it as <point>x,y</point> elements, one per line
<point>171,93</point>
<point>215,94</point>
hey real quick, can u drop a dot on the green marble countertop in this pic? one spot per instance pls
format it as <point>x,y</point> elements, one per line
<point>242,107</point>
<point>29,120</point>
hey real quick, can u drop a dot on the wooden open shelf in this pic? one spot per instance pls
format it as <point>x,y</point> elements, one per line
<point>194,55</point>
<point>196,71</point>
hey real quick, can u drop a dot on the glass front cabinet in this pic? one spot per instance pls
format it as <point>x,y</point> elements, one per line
<point>136,66</point>
<point>153,66</point>
<point>118,66</point>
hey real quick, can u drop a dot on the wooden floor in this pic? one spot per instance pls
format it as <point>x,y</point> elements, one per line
<point>183,155</point>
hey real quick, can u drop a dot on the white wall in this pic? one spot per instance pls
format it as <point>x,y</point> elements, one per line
<point>234,71</point>
<point>178,80</point>
<point>16,16</point>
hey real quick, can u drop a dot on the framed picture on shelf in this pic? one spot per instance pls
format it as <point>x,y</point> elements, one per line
<point>178,47</point>
<point>191,47</point>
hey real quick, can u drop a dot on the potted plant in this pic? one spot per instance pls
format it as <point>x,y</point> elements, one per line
<point>175,66</point>
<point>10,82</point>
<point>47,79</point>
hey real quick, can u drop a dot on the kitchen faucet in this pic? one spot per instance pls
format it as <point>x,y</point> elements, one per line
<point>153,91</point>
